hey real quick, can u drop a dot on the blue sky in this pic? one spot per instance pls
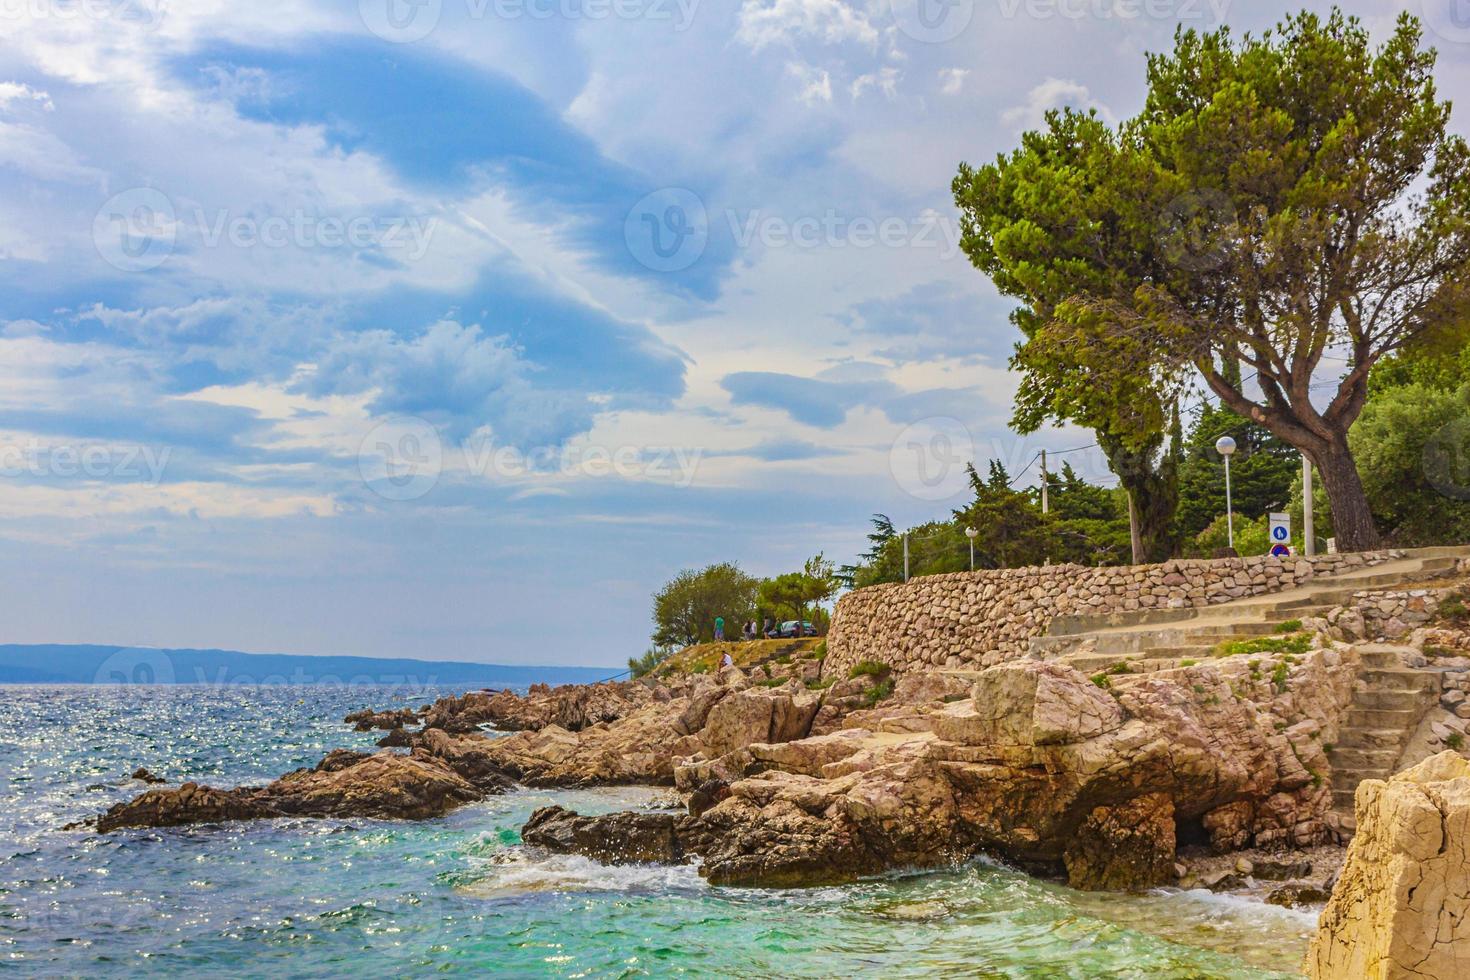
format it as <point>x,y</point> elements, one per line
<point>452,328</point>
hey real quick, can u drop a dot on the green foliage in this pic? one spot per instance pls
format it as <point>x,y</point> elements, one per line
<point>1452,608</point>
<point>820,685</point>
<point>1281,196</point>
<point>772,682</point>
<point>1278,676</point>
<point>790,594</point>
<point>879,691</point>
<point>1295,643</point>
<point>1262,471</point>
<point>641,666</point>
<point>819,652</point>
<point>1188,663</point>
<point>1455,741</point>
<point>1252,537</point>
<point>1087,525</point>
<point>1290,626</point>
<point>869,668</point>
<point>1413,448</point>
<point>684,610</point>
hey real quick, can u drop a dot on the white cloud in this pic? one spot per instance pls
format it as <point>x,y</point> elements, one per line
<point>767,22</point>
<point>884,80</point>
<point>951,80</point>
<point>11,92</point>
<point>1052,94</point>
<point>814,85</point>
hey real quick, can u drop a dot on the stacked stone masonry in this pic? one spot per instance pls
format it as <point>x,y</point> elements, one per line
<point>971,620</point>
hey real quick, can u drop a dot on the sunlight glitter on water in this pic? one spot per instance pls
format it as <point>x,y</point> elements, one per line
<point>462,894</point>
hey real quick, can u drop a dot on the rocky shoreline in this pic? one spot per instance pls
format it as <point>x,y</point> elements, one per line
<point>1214,774</point>
<point>788,781</point>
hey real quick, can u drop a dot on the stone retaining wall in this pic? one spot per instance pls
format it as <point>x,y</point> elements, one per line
<point>978,619</point>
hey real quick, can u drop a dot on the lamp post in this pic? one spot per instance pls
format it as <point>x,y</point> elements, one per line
<point>972,534</point>
<point>1225,446</point>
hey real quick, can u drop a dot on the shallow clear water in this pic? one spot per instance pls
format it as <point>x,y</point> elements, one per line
<point>460,894</point>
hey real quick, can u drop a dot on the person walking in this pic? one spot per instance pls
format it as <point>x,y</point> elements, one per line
<point>719,629</point>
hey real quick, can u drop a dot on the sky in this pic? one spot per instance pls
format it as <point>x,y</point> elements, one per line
<point>453,328</point>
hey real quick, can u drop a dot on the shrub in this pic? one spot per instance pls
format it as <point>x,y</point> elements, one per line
<point>1188,663</point>
<point>771,682</point>
<point>1278,676</point>
<point>819,685</point>
<point>879,691</point>
<point>1293,643</point>
<point>1454,740</point>
<point>869,668</point>
<point>1290,626</point>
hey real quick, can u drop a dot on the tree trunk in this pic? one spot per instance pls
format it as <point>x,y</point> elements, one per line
<point>1352,519</point>
<point>1153,496</point>
<point>1134,537</point>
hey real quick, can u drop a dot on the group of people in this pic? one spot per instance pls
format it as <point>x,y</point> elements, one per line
<point>750,631</point>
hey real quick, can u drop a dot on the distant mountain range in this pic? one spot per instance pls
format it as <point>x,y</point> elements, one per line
<point>91,664</point>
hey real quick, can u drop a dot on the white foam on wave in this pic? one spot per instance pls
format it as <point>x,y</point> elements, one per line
<point>521,871</point>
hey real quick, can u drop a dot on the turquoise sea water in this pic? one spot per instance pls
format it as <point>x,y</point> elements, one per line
<point>462,895</point>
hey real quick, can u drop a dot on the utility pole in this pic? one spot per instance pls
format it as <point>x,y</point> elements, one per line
<point>1308,532</point>
<point>1045,500</point>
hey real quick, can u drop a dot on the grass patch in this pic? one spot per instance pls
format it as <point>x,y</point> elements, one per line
<point>869,668</point>
<point>1278,676</point>
<point>1455,740</point>
<point>1290,626</point>
<point>1453,608</point>
<point>819,652</point>
<point>1289,643</point>
<point>772,682</point>
<point>879,691</point>
<point>1102,680</point>
<point>1188,663</point>
<point>819,685</point>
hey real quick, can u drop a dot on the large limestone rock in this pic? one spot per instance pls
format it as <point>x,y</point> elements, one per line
<point>752,716</point>
<point>1401,908</point>
<point>1040,766</point>
<point>344,784</point>
<point>1124,847</point>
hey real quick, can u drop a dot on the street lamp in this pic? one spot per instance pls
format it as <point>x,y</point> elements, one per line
<point>972,534</point>
<point>1225,446</point>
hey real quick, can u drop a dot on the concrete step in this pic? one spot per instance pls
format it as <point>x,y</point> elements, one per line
<point>1381,655</point>
<point>1371,738</point>
<point>1397,719</point>
<point>1399,679</point>
<point>1377,699</point>
<point>1349,760</point>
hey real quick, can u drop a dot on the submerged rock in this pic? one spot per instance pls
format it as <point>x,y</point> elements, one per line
<point>144,776</point>
<point>1401,907</point>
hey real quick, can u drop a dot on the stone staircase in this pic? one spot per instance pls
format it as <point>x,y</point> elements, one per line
<point>1388,705</point>
<point>1160,638</point>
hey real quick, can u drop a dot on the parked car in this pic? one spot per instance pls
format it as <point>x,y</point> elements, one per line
<point>788,631</point>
